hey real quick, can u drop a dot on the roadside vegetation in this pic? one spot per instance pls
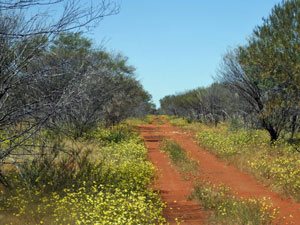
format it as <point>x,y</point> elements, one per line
<point>54,79</point>
<point>277,165</point>
<point>106,181</point>
<point>135,121</point>
<point>228,209</point>
<point>223,205</point>
<point>65,157</point>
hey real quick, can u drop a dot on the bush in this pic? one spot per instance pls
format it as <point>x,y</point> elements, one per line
<point>114,134</point>
<point>95,204</point>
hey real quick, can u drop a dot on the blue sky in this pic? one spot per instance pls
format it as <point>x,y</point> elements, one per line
<point>177,45</point>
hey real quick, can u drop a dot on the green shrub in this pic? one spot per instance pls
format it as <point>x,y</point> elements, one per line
<point>49,176</point>
<point>115,134</point>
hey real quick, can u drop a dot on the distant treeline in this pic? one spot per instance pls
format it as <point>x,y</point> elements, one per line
<point>258,83</point>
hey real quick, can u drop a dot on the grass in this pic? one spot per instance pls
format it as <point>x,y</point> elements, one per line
<point>276,165</point>
<point>178,121</point>
<point>180,159</point>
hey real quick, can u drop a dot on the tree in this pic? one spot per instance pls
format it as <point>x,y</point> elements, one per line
<point>211,104</point>
<point>52,17</point>
<point>266,70</point>
<point>85,85</point>
<point>27,27</point>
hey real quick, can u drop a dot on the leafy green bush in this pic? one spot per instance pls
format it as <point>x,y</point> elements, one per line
<point>235,124</point>
<point>114,134</point>
<point>46,175</point>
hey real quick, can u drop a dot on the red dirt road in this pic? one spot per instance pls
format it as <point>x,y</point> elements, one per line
<point>173,188</point>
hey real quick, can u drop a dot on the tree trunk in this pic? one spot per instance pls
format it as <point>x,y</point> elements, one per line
<point>274,134</point>
<point>293,126</point>
<point>3,181</point>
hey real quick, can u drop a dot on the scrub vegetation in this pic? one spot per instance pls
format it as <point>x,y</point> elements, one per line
<point>105,181</point>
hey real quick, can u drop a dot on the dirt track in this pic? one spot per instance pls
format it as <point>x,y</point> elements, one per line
<point>174,189</point>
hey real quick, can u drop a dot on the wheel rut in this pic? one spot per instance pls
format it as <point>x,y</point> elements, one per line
<point>173,189</point>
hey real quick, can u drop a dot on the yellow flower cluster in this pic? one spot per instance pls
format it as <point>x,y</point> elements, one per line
<point>113,207</point>
<point>121,196</point>
<point>283,171</point>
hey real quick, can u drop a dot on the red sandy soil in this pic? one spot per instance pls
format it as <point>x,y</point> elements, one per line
<point>174,190</point>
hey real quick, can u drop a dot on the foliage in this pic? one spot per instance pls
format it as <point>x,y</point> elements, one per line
<point>265,71</point>
<point>282,169</point>
<point>29,97</point>
<point>95,85</point>
<point>118,207</point>
<point>72,88</point>
<point>212,104</point>
<point>228,209</point>
<point>134,122</point>
<point>86,205</point>
<point>113,134</point>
